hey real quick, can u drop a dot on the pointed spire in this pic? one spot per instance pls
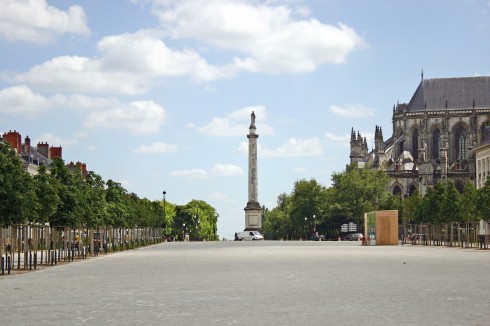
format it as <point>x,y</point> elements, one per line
<point>446,104</point>
<point>422,74</point>
<point>425,105</point>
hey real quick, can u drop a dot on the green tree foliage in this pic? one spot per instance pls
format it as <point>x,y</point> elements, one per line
<point>308,205</point>
<point>47,188</point>
<point>68,212</point>
<point>450,207</point>
<point>410,207</point>
<point>469,204</point>
<point>69,198</point>
<point>277,222</point>
<point>359,190</point>
<point>197,218</point>
<point>483,205</point>
<point>94,210</point>
<point>18,201</point>
<point>117,206</point>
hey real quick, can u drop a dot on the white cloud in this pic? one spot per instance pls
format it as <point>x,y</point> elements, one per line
<point>295,148</point>
<point>352,111</point>
<point>226,170</point>
<point>223,127</point>
<point>269,36</point>
<point>237,123</point>
<point>220,170</point>
<point>81,74</point>
<point>140,117</point>
<point>292,148</point>
<point>342,140</point>
<point>144,53</point>
<point>156,148</point>
<point>36,21</point>
<point>299,170</point>
<point>219,196</point>
<point>54,140</point>
<point>127,64</point>
<point>244,114</point>
<point>21,99</point>
<point>193,173</point>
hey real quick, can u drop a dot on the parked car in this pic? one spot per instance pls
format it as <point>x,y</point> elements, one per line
<point>249,235</point>
<point>352,237</point>
<point>315,237</point>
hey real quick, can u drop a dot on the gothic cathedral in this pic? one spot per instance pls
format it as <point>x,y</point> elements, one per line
<point>434,136</point>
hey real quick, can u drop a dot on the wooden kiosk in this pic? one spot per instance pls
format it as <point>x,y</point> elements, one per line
<point>381,227</point>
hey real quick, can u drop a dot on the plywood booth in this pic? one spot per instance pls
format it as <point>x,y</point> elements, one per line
<point>381,227</point>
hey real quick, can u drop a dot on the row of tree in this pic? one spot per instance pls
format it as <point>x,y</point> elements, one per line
<point>312,207</point>
<point>64,197</point>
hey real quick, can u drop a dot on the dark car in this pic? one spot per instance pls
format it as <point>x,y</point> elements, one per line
<point>315,237</point>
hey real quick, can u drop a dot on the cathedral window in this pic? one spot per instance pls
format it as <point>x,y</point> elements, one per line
<point>397,191</point>
<point>461,144</point>
<point>415,144</point>
<point>485,133</point>
<point>436,143</point>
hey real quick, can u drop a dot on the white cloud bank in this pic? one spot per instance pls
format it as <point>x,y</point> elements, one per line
<point>36,21</point>
<point>252,37</point>
<point>292,148</point>
<point>139,117</point>
<point>226,170</point>
<point>220,170</point>
<point>352,111</point>
<point>237,123</point>
<point>156,148</point>
<point>271,37</point>
<point>22,99</point>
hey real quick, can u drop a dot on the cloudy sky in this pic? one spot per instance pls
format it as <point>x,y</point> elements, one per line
<point>157,94</point>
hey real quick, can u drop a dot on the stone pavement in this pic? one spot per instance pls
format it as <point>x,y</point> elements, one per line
<point>264,283</point>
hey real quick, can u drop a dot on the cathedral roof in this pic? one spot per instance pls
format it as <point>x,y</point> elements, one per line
<point>458,93</point>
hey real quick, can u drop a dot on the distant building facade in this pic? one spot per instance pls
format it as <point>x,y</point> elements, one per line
<point>435,137</point>
<point>42,154</point>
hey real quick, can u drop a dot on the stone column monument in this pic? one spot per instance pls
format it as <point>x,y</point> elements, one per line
<point>253,211</point>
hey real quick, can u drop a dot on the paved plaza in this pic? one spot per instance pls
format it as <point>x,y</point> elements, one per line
<point>257,283</point>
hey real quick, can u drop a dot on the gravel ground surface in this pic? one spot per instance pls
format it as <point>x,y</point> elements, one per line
<point>257,283</point>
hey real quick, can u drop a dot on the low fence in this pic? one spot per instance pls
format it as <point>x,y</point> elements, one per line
<point>25,247</point>
<point>464,235</point>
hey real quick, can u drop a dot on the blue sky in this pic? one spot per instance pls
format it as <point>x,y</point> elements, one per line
<point>157,94</point>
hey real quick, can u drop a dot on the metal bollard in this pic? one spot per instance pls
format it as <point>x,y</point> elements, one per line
<point>30,260</point>
<point>3,266</point>
<point>35,260</point>
<point>8,264</point>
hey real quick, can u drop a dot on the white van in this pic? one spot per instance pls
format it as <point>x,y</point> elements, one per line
<point>249,235</point>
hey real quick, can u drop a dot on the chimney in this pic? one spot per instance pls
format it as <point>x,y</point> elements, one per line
<point>55,152</point>
<point>27,145</point>
<point>14,139</point>
<point>43,149</point>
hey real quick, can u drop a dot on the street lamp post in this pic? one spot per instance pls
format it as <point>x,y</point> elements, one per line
<point>196,223</point>
<point>183,231</point>
<point>314,225</point>
<point>214,227</point>
<point>306,226</point>
<point>164,213</point>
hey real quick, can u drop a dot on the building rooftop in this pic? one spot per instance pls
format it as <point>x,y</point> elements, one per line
<point>453,93</point>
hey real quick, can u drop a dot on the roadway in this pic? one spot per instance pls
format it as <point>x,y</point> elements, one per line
<point>262,282</point>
